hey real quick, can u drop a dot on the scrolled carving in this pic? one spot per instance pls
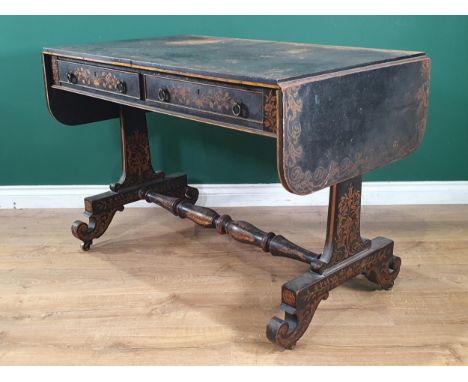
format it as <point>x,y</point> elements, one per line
<point>137,174</point>
<point>191,194</point>
<point>97,225</point>
<point>301,297</point>
<point>385,274</point>
<point>287,332</point>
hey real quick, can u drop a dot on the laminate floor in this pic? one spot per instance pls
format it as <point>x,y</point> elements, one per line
<point>159,290</point>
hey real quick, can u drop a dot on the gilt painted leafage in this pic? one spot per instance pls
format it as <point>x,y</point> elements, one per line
<point>100,79</point>
<point>341,126</point>
<point>348,236</point>
<point>270,110</point>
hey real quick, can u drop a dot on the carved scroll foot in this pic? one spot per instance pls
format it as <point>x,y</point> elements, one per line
<point>385,274</point>
<point>101,208</point>
<point>190,194</point>
<point>96,227</point>
<point>301,296</point>
<point>287,332</point>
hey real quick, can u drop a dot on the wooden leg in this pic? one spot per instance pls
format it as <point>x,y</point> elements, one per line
<point>301,296</point>
<point>345,254</point>
<point>137,174</point>
<point>344,222</point>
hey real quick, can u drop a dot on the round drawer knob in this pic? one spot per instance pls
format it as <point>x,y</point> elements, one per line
<point>121,87</point>
<point>237,109</point>
<point>71,77</point>
<point>163,95</point>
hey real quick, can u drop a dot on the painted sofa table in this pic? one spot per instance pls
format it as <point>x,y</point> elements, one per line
<point>335,113</point>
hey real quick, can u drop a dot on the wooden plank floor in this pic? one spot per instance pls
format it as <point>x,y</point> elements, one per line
<point>156,289</point>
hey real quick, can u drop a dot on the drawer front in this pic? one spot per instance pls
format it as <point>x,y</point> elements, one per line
<point>224,104</point>
<point>119,82</point>
<point>210,99</point>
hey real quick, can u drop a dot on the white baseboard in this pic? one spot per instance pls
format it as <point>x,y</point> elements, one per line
<point>244,195</point>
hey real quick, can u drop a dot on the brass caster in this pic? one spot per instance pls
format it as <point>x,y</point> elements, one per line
<point>86,245</point>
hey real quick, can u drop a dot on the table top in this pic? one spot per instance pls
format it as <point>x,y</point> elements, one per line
<point>230,58</point>
<point>336,112</point>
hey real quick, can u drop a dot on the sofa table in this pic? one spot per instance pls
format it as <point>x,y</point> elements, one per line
<point>335,113</point>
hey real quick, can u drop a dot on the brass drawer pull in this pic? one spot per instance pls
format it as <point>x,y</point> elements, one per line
<point>237,109</point>
<point>163,95</point>
<point>121,87</point>
<point>72,78</point>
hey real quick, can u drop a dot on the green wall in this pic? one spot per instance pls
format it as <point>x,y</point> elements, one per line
<point>35,149</point>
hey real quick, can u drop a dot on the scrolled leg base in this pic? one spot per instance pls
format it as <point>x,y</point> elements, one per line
<point>96,227</point>
<point>385,274</point>
<point>100,209</point>
<point>191,194</point>
<point>287,332</point>
<point>301,296</point>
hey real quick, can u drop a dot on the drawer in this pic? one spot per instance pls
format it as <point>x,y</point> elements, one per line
<point>235,106</point>
<point>83,76</point>
<point>209,99</point>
